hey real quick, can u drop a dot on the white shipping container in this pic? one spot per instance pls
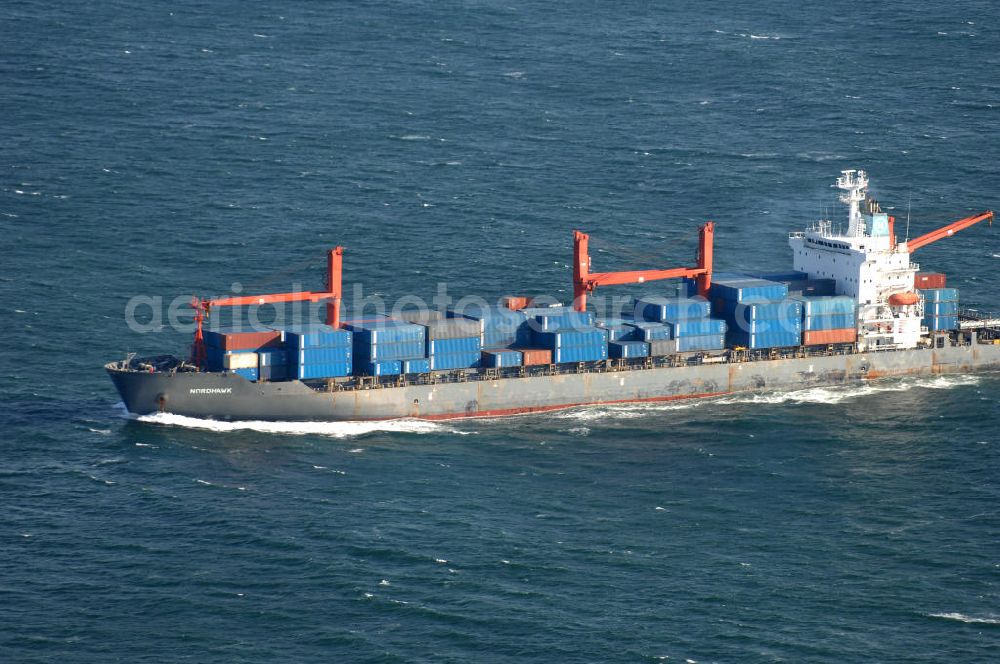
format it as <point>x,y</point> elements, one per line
<point>240,361</point>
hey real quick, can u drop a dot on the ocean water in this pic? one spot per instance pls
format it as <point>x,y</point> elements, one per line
<point>163,149</point>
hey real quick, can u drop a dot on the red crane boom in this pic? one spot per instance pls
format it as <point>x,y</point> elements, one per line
<point>585,281</point>
<point>949,230</point>
<point>334,270</point>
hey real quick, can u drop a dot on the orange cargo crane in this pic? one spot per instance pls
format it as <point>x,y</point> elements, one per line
<point>334,269</point>
<point>585,281</point>
<point>948,231</point>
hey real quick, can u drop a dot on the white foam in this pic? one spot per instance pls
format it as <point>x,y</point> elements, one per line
<point>623,411</point>
<point>332,429</point>
<point>992,620</point>
<point>837,394</point>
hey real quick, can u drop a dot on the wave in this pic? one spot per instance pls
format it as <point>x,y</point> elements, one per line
<point>839,393</point>
<point>624,411</point>
<point>991,620</point>
<point>331,429</point>
<point>819,395</point>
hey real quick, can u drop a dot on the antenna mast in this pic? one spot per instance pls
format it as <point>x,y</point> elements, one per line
<point>854,185</point>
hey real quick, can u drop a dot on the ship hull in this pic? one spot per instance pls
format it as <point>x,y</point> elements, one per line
<point>231,397</point>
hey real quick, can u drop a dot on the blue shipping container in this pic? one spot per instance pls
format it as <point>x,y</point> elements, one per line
<point>568,320</point>
<point>380,352</point>
<point>466,344</point>
<point>788,308</point>
<point>940,294</point>
<point>274,358</point>
<point>760,326</point>
<point>249,374</point>
<point>791,275</point>
<point>418,366</point>
<point>325,370</point>
<point>770,339</point>
<point>499,339</point>
<point>590,353</point>
<point>463,360</point>
<point>932,309</point>
<point>566,338</point>
<point>384,368</point>
<point>620,332</point>
<point>670,308</point>
<point>618,349</point>
<point>500,326</point>
<point>499,358</point>
<point>647,331</point>
<point>936,323</point>
<point>741,290</point>
<point>388,331</point>
<point>695,327</point>
<point>826,305</point>
<point>300,337</point>
<point>831,322</point>
<point>321,355</point>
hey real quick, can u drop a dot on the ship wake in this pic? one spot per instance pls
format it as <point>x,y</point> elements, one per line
<point>330,429</point>
<point>991,620</point>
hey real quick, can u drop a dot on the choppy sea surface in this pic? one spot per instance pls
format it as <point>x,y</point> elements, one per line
<point>163,149</point>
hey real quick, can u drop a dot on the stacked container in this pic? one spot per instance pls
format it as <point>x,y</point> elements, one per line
<point>587,344</point>
<point>619,329</point>
<point>812,287</point>
<point>455,353</point>
<point>536,356</point>
<point>828,319</point>
<point>499,327</point>
<point>502,358</point>
<point>800,283</point>
<point>928,280</point>
<point>380,346</point>
<point>416,366</point>
<point>452,343</point>
<point>684,320</point>
<point>316,351</point>
<point>275,364</point>
<point>759,312</point>
<point>236,351</point>
<point>940,309</point>
<point>649,331</point>
<point>628,349</point>
<point>549,319</point>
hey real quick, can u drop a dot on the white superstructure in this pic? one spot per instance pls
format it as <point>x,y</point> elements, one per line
<point>868,265</point>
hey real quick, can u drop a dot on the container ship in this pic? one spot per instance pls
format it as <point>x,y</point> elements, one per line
<point>853,307</point>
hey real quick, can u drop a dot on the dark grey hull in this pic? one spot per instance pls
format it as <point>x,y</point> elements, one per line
<point>230,397</point>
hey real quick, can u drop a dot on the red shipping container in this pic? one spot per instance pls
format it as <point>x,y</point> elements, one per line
<point>515,303</point>
<point>929,280</point>
<point>823,337</point>
<point>535,356</point>
<point>243,340</point>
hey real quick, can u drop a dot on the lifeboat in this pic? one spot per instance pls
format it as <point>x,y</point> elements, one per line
<point>903,299</point>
